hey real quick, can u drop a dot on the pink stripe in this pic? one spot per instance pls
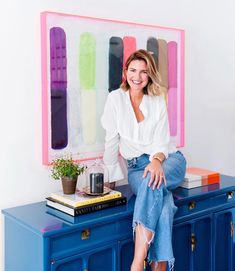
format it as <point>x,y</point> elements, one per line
<point>172,82</point>
<point>182,71</point>
<point>129,44</point>
<point>172,110</point>
<point>45,146</point>
<point>172,64</point>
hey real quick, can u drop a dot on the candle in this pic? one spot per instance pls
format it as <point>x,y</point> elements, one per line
<point>96,183</point>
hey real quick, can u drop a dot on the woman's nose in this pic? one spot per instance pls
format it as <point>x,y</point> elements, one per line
<point>137,75</point>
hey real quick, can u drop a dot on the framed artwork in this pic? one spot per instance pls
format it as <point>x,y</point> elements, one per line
<point>82,61</point>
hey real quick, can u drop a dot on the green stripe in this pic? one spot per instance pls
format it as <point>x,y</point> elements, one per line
<point>87,61</point>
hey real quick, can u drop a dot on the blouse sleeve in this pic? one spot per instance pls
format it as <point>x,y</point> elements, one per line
<point>110,158</point>
<point>162,133</point>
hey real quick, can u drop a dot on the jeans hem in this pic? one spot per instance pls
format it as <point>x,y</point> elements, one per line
<point>170,262</point>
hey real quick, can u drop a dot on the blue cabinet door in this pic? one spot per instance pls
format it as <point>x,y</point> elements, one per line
<point>76,263</point>
<point>192,245</point>
<point>103,259</point>
<point>202,252</point>
<point>181,246</point>
<point>224,240</point>
<point>126,254</point>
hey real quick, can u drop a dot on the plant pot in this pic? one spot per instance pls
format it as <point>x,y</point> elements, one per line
<point>69,184</point>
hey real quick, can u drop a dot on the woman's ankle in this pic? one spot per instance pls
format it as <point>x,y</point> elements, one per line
<point>137,265</point>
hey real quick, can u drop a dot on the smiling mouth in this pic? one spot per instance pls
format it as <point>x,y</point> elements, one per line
<point>136,82</point>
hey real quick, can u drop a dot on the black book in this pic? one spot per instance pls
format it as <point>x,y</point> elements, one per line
<point>87,208</point>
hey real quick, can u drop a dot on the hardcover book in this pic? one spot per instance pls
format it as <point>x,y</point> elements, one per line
<point>196,177</point>
<point>80,198</point>
<point>86,208</point>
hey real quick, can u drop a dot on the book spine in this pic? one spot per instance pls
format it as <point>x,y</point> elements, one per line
<point>99,206</point>
<point>98,199</point>
<point>86,201</point>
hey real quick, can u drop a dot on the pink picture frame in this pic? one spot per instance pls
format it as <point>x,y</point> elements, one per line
<point>79,57</point>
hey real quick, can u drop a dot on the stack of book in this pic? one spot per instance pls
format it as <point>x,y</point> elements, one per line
<point>196,177</point>
<point>80,203</point>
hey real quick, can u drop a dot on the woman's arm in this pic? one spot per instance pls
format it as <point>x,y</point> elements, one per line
<point>160,149</point>
<point>110,158</point>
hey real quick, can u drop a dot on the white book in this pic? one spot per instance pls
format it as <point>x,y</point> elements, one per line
<point>192,177</point>
<point>191,184</point>
<point>80,198</point>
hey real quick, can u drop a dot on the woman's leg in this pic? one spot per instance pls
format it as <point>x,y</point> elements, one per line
<point>160,266</point>
<point>161,250</point>
<point>141,247</point>
<point>148,207</point>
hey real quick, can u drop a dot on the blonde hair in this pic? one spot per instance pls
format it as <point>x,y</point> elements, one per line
<point>153,87</point>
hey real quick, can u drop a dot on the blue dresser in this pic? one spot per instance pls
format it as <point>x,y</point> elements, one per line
<point>40,239</point>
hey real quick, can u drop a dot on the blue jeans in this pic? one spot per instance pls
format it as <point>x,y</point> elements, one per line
<point>155,209</point>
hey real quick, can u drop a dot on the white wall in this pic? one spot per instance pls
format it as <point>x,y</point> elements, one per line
<point>209,84</point>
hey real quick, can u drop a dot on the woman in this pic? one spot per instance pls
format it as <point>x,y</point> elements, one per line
<point>136,123</point>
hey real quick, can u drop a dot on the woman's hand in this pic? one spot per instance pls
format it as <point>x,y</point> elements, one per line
<point>157,174</point>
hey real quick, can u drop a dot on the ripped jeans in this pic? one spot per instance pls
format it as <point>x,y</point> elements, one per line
<point>155,209</point>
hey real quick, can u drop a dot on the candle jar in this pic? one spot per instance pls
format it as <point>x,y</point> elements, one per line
<point>95,176</point>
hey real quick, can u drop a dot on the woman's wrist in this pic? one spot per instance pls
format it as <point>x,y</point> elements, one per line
<point>159,157</point>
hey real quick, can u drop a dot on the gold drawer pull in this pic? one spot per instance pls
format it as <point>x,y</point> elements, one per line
<point>85,234</point>
<point>192,205</point>
<point>193,242</point>
<point>232,228</point>
<point>230,194</point>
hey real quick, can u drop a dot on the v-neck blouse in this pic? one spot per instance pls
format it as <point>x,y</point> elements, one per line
<point>132,138</point>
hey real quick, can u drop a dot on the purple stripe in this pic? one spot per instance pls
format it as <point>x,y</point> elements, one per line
<point>58,64</point>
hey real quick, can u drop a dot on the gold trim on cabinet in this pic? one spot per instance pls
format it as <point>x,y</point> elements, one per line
<point>85,234</point>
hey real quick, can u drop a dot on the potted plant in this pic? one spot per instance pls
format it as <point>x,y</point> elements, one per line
<point>67,170</point>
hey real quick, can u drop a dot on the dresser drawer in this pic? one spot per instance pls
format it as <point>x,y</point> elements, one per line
<point>198,205</point>
<point>84,238</point>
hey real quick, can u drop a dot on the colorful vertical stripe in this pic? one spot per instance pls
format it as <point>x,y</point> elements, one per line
<point>163,66</point>
<point>87,69</point>
<point>172,92</point>
<point>115,62</point>
<point>129,44</point>
<point>152,46</point>
<point>58,71</point>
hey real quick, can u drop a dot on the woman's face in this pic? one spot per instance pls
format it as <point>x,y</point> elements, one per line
<point>136,75</point>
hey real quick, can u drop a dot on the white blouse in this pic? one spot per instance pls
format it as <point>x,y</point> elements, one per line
<point>132,138</point>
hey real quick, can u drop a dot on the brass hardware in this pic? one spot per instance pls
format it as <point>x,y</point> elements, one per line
<point>145,264</point>
<point>193,242</point>
<point>192,205</point>
<point>230,194</point>
<point>232,228</point>
<point>85,234</point>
